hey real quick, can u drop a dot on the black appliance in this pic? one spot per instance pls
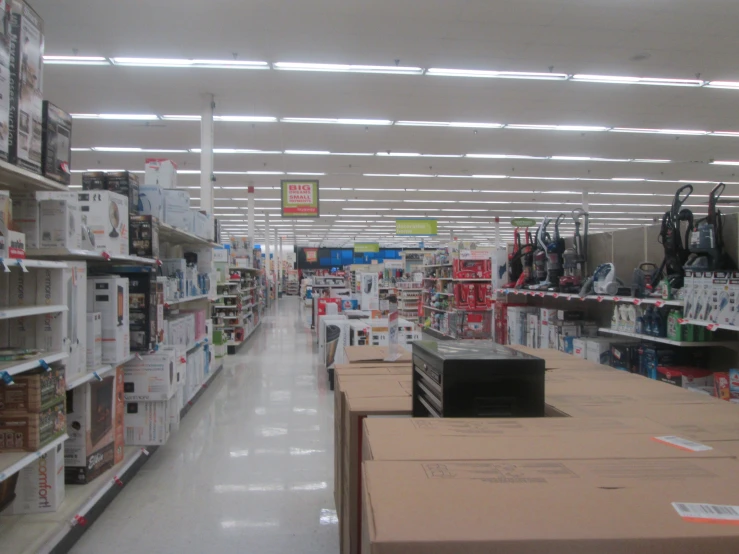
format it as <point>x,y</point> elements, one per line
<point>464,378</point>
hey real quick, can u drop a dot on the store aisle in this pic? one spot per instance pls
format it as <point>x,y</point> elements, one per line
<point>251,468</point>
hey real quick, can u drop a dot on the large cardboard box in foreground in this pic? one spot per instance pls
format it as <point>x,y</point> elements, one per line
<point>551,507</point>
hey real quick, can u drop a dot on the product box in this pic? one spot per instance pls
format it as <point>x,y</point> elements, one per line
<point>40,486</point>
<point>25,431</point>
<point>59,224</point>
<point>109,296</point>
<point>119,417</point>
<point>151,199</point>
<point>89,451</point>
<point>147,423</point>
<point>5,78</point>
<point>370,291</point>
<point>579,348</point>
<point>93,180</point>
<point>151,378</point>
<point>598,350</point>
<point>722,386</point>
<point>126,184</point>
<point>75,287</point>
<point>26,86</point>
<point>146,307</point>
<point>57,143</point>
<point>625,356</point>
<point>52,289</point>
<point>685,376</point>
<point>177,209</point>
<point>336,339</point>
<point>144,241</point>
<point>162,173</point>
<point>33,391</point>
<point>25,213</point>
<point>22,289</point>
<point>532,331</point>
<point>94,341</point>
<point>107,218</point>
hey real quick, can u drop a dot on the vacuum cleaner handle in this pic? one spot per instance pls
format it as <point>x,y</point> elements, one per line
<point>679,200</point>
<point>713,198</point>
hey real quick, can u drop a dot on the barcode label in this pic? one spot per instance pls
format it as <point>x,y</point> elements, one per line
<point>683,444</point>
<point>706,513</point>
<point>130,435</point>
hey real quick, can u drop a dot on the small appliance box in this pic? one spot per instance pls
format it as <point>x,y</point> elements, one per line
<point>57,143</point>
<point>25,214</point>
<point>107,218</point>
<point>109,296</point>
<point>734,383</point>
<point>579,348</point>
<point>52,330</point>
<point>93,180</point>
<point>144,241</point>
<point>151,200</point>
<point>76,326</point>
<point>94,341</point>
<point>40,487</point>
<point>29,431</point>
<point>147,423</point>
<point>146,310</point>
<point>59,224</point>
<point>370,292</point>
<point>126,184</point>
<point>34,391</point>
<point>597,350</point>
<point>162,173</point>
<point>177,209</point>
<point>151,378</point>
<point>26,86</point>
<point>89,451</point>
<point>685,376</point>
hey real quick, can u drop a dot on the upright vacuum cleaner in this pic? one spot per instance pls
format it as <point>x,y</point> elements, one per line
<point>516,257</point>
<point>555,251</point>
<point>676,247</point>
<point>574,260</point>
<point>707,252</point>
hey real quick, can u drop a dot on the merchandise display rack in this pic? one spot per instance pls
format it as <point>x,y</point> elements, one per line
<point>597,298</point>
<point>663,340</point>
<point>250,304</point>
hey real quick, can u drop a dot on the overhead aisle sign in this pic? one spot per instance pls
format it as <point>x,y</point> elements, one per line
<point>415,227</point>
<point>300,199</point>
<point>366,247</point>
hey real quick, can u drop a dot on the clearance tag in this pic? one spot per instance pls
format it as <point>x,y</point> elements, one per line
<point>682,444</point>
<point>708,513</point>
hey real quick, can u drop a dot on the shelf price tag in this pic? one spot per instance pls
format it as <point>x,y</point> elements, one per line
<point>617,299</point>
<point>144,451</point>
<point>44,365</point>
<point>79,520</point>
<point>659,303</point>
<point>7,379</point>
<point>96,375</point>
<point>637,301</point>
<point>712,326</point>
<point>541,294</point>
<point>555,295</point>
<point>683,321</point>
<point>117,481</point>
<point>600,299</point>
<point>106,256</point>
<point>23,267</point>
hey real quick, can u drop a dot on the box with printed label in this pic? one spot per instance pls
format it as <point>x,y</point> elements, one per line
<point>75,330</point>
<point>579,348</point>
<point>57,143</point>
<point>109,296</point>
<point>107,219</point>
<point>52,329</point>
<point>126,184</point>
<point>26,86</point>
<point>59,224</point>
<point>27,432</point>
<point>89,451</point>
<point>119,417</point>
<point>162,173</point>
<point>151,378</point>
<point>151,199</point>
<point>144,232</point>
<point>177,209</point>
<point>685,376</point>
<point>94,340</point>
<point>147,423</point>
<point>33,391</point>
<point>40,485</point>
<point>597,350</point>
<point>25,215</point>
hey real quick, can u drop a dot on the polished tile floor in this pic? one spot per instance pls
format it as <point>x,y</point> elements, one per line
<point>251,468</point>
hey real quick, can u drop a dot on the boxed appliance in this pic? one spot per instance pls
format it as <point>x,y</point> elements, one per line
<point>119,417</point>
<point>40,485</point>
<point>109,296</point>
<point>162,173</point>
<point>370,291</point>
<point>93,180</point>
<point>579,348</point>
<point>26,86</point>
<point>89,451</point>
<point>27,432</point>
<point>177,209</point>
<point>147,423</point>
<point>685,376</point>
<point>146,307</point>
<point>76,325</point>
<point>52,331</point>
<point>150,378</point>
<point>456,379</point>
<point>94,341</point>
<point>144,241</point>
<point>598,350</point>
<point>33,391</point>
<point>532,331</point>
<point>336,337</point>
<point>57,143</point>
<point>126,184</point>
<point>151,199</point>
<point>25,214</point>
<point>107,219</point>
<point>472,269</point>
<point>5,78</point>
<point>59,224</point>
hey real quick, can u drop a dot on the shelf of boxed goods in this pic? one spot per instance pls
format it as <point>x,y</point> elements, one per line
<point>177,236</point>
<point>28,311</point>
<point>253,330</point>
<point>19,366</point>
<point>12,462</point>
<point>663,340</point>
<point>17,179</point>
<point>168,303</point>
<point>710,325</point>
<point>97,374</point>
<point>87,255</point>
<point>7,263</point>
<point>435,266</point>
<point>659,302</point>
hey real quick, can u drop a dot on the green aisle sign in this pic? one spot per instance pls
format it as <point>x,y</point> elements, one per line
<point>523,222</point>
<point>415,227</point>
<point>366,247</point>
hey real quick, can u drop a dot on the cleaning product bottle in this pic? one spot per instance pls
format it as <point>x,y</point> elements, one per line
<point>639,328</point>
<point>660,323</point>
<point>674,327</point>
<point>649,321</point>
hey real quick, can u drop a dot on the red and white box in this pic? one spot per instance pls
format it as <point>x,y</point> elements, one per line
<point>161,172</point>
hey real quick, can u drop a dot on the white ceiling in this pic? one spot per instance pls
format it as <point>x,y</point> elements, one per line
<point>674,39</point>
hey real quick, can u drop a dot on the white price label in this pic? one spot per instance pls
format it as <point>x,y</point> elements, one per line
<point>683,444</point>
<point>708,513</point>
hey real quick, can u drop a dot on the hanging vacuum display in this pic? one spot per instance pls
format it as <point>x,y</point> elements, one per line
<point>707,252</point>
<point>676,250</point>
<point>574,259</point>
<point>555,251</point>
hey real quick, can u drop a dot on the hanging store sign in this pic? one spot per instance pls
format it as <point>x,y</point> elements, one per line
<point>311,255</point>
<point>366,247</point>
<point>415,227</point>
<point>523,222</point>
<point>300,199</point>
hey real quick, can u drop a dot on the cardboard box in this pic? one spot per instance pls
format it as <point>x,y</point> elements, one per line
<point>144,239</point>
<point>151,378</point>
<point>362,354</point>
<point>109,296</point>
<point>76,318</point>
<point>147,423</point>
<point>107,218</point>
<point>151,199</point>
<point>598,350</point>
<point>94,341</point>
<point>126,184</point>
<point>579,348</point>
<point>52,289</point>
<point>25,211</point>
<point>26,86</point>
<point>59,224</point>
<point>57,143</point>
<point>685,376</point>
<point>160,172</point>
<point>27,432</point>
<point>554,506</point>
<point>40,487</point>
<point>33,391</point>
<point>177,209</point>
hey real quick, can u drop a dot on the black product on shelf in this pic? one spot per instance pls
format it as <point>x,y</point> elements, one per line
<point>144,236</point>
<point>93,180</point>
<point>475,379</point>
<point>57,143</point>
<point>145,306</point>
<point>126,184</point>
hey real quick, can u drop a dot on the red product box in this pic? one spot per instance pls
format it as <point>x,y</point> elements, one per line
<point>469,269</point>
<point>323,302</point>
<point>483,296</point>
<point>487,272</point>
<point>684,376</point>
<point>464,295</point>
<point>721,387</point>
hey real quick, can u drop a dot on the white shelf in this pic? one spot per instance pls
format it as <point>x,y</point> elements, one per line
<point>185,300</point>
<point>441,293</point>
<point>711,326</point>
<point>593,297</point>
<point>15,367</point>
<point>12,462</point>
<point>17,179</point>
<point>99,372</point>
<point>168,233</point>
<point>89,255</point>
<point>437,310</point>
<point>661,339</point>
<point>436,265</point>
<point>224,307</point>
<point>11,313</point>
<point>38,264</point>
<point>234,268</point>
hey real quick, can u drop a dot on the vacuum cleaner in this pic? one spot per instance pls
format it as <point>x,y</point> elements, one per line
<point>574,259</point>
<point>707,251</point>
<point>671,238</point>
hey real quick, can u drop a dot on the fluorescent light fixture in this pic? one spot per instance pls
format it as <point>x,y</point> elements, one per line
<point>400,154</point>
<point>623,80</point>
<point>134,149</point>
<point>237,151</point>
<point>76,60</point>
<point>336,121</point>
<point>653,161</point>
<point>304,173</point>
<point>352,154</point>
<point>343,68</point>
<point>659,131</point>
<point>181,117</point>
<point>308,152</point>
<point>119,116</point>
<point>444,72</point>
<point>575,128</point>
<point>449,124</point>
<point>627,179</point>
<point>245,118</point>
<point>723,84</point>
<point>490,176</point>
<point>80,149</point>
<point>188,63</point>
<point>725,162</point>
<point>572,158</point>
<point>505,157</point>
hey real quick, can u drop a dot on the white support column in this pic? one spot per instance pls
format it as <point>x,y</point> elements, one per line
<point>267,271</point>
<point>585,206</point>
<point>496,249</point>
<point>250,215</point>
<point>282,262</point>
<point>206,154</point>
<point>277,262</point>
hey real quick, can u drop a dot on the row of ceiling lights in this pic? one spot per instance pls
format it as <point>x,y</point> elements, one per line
<point>184,63</point>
